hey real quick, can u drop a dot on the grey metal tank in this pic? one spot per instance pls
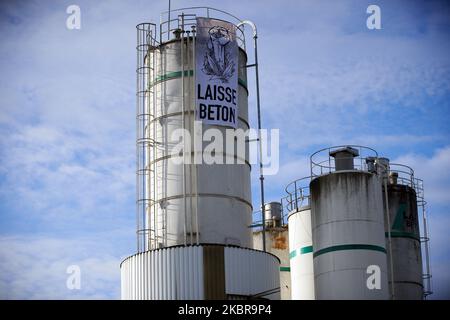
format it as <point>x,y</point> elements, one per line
<point>272,213</point>
<point>347,230</point>
<point>405,238</point>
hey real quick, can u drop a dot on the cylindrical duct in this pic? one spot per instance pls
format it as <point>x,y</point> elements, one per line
<point>348,236</point>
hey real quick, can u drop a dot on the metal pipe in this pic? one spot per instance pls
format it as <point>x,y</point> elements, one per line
<point>183,125</point>
<point>296,197</point>
<point>164,144</point>
<point>149,172</point>
<point>427,276</point>
<point>155,150</point>
<point>188,58</point>
<point>138,40</point>
<point>427,257</point>
<point>168,24</point>
<point>258,106</point>
<point>194,61</point>
<point>389,231</point>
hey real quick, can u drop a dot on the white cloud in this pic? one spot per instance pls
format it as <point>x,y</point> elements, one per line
<point>35,267</point>
<point>434,170</point>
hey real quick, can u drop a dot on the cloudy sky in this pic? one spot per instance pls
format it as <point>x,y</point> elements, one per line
<point>67,128</point>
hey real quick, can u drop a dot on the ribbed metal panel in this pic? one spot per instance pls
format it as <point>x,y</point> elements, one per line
<point>251,273</point>
<point>179,273</point>
<point>171,273</point>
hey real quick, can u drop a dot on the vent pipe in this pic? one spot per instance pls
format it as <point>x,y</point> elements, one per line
<point>343,158</point>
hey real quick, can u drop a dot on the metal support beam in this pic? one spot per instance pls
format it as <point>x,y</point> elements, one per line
<point>258,106</point>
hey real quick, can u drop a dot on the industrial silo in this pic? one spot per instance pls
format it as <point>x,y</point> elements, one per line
<point>403,235</point>
<point>300,240</point>
<point>193,213</point>
<point>347,226</point>
<point>277,242</point>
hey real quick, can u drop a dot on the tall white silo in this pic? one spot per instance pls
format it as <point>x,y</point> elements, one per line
<point>347,226</point>
<point>300,240</point>
<point>194,240</point>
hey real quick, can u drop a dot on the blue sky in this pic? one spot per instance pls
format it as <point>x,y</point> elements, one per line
<point>67,128</point>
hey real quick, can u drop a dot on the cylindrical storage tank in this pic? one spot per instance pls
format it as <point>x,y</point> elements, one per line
<point>200,272</point>
<point>405,242</point>
<point>193,172</point>
<point>272,213</point>
<point>301,254</point>
<point>208,203</point>
<point>348,236</point>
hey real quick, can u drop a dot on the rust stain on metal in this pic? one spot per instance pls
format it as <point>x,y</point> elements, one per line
<point>280,243</point>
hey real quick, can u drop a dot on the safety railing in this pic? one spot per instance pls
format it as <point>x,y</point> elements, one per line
<point>321,162</point>
<point>297,194</point>
<point>404,175</point>
<point>257,220</point>
<point>145,103</point>
<point>170,22</point>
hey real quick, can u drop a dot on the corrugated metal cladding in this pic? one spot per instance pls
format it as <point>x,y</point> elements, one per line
<point>251,272</point>
<point>200,272</point>
<point>165,274</point>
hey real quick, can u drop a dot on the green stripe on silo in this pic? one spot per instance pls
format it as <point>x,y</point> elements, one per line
<point>400,234</point>
<point>307,249</point>
<point>303,250</point>
<point>292,254</point>
<point>349,247</point>
<point>174,75</point>
<point>187,73</point>
<point>242,83</point>
<point>288,269</point>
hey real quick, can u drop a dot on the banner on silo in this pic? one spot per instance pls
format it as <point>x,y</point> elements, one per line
<point>216,73</point>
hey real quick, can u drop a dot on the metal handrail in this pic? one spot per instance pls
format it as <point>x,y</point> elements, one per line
<point>405,174</point>
<point>200,7</point>
<point>190,14</point>
<point>319,161</point>
<point>298,194</point>
<point>257,220</point>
